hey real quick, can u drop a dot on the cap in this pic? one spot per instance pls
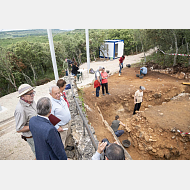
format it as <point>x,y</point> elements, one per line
<point>142,87</point>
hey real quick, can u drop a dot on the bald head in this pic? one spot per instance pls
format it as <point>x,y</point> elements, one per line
<point>55,92</point>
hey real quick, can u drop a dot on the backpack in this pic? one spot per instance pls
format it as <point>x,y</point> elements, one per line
<point>91,71</point>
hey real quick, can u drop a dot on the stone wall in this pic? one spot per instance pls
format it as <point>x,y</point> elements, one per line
<point>82,143</point>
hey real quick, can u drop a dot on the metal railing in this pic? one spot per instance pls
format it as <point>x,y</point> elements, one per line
<point>85,124</point>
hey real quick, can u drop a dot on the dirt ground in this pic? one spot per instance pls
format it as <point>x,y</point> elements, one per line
<point>154,132</point>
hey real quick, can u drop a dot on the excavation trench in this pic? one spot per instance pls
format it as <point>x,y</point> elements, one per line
<point>155,129</point>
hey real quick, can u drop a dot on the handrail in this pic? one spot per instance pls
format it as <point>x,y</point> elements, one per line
<point>82,116</point>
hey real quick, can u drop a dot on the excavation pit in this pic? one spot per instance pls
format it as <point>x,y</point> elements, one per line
<point>154,129</point>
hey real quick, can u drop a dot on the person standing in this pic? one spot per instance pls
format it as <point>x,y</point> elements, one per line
<point>47,140</point>
<point>104,76</point>
<point>98,80</point>
<point>74,69</point>
<point>121,64</point>
<point>62,85</point>
<point>138,98</point>
<point>60,110</point>
<point>25,110</point>
<point>115,125</point>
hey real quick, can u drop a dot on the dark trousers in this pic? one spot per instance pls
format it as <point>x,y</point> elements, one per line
<point>137,107</point>
<point>105,85</point>
<point>97,91</point>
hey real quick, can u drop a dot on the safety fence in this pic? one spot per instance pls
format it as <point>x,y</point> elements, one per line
<point>173,53</point>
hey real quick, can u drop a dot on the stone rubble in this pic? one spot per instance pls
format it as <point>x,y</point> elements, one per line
<point>83,144</point>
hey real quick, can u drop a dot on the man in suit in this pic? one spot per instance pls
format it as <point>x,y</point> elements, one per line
<point>47,140</point>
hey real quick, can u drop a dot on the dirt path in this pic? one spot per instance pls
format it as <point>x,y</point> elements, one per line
<point>150,134</point>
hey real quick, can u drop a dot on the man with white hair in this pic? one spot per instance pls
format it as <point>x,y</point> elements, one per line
<point>25,110</point>
<point>98,80</point>
<point>60,110</point>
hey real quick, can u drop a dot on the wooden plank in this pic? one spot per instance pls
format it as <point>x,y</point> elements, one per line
<point>188,83</point>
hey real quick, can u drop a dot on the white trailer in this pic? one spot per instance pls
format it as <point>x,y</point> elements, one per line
<point>112,49</point>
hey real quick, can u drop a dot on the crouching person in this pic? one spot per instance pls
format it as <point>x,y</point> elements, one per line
<point>115,125</point>
<point>47,140</point>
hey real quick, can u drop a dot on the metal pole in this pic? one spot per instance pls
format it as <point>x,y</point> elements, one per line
<point>53,54</point>
<point>87,50</point>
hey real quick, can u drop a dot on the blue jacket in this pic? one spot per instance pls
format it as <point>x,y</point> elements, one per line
<point>47,140</point>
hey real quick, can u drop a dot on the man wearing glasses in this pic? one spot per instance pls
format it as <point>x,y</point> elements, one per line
<point>25,110</point>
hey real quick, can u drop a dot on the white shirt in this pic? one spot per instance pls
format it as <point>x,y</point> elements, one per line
<point>138,96</point>
<point>61,111</point>
<point>43,117</point>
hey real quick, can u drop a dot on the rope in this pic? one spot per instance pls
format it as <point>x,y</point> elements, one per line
<point>173,53</point>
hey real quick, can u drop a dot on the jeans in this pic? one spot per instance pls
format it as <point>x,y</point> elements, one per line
<point>97,91</point>
<point>120,66</point>
<point>118,133</point>
<point>142,73</point>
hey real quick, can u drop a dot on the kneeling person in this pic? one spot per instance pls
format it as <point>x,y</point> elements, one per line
<point>115,126</point>
<point>143,71</point>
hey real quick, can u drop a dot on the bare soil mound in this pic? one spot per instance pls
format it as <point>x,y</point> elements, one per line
<point>154,130</point>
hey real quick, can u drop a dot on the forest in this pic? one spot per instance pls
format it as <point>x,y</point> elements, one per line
<point>25,57</point>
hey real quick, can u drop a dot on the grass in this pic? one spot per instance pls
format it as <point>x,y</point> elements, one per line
<point>80,93</point>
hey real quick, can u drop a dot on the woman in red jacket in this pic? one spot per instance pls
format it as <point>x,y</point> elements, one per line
<point>104,81</point>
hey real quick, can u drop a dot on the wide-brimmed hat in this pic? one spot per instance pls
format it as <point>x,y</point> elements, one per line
<point>24,88</point>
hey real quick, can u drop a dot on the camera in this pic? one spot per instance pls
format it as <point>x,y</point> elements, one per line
<point>106,140</point>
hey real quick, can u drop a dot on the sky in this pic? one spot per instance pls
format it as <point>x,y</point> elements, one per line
<point>25,29</point>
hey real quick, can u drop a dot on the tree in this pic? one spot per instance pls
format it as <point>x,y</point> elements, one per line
<point>175,38</point>
<point>6,69</point>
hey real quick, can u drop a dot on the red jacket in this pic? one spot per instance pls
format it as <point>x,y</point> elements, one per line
<point>96,84</point>
<point>121,59</point>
